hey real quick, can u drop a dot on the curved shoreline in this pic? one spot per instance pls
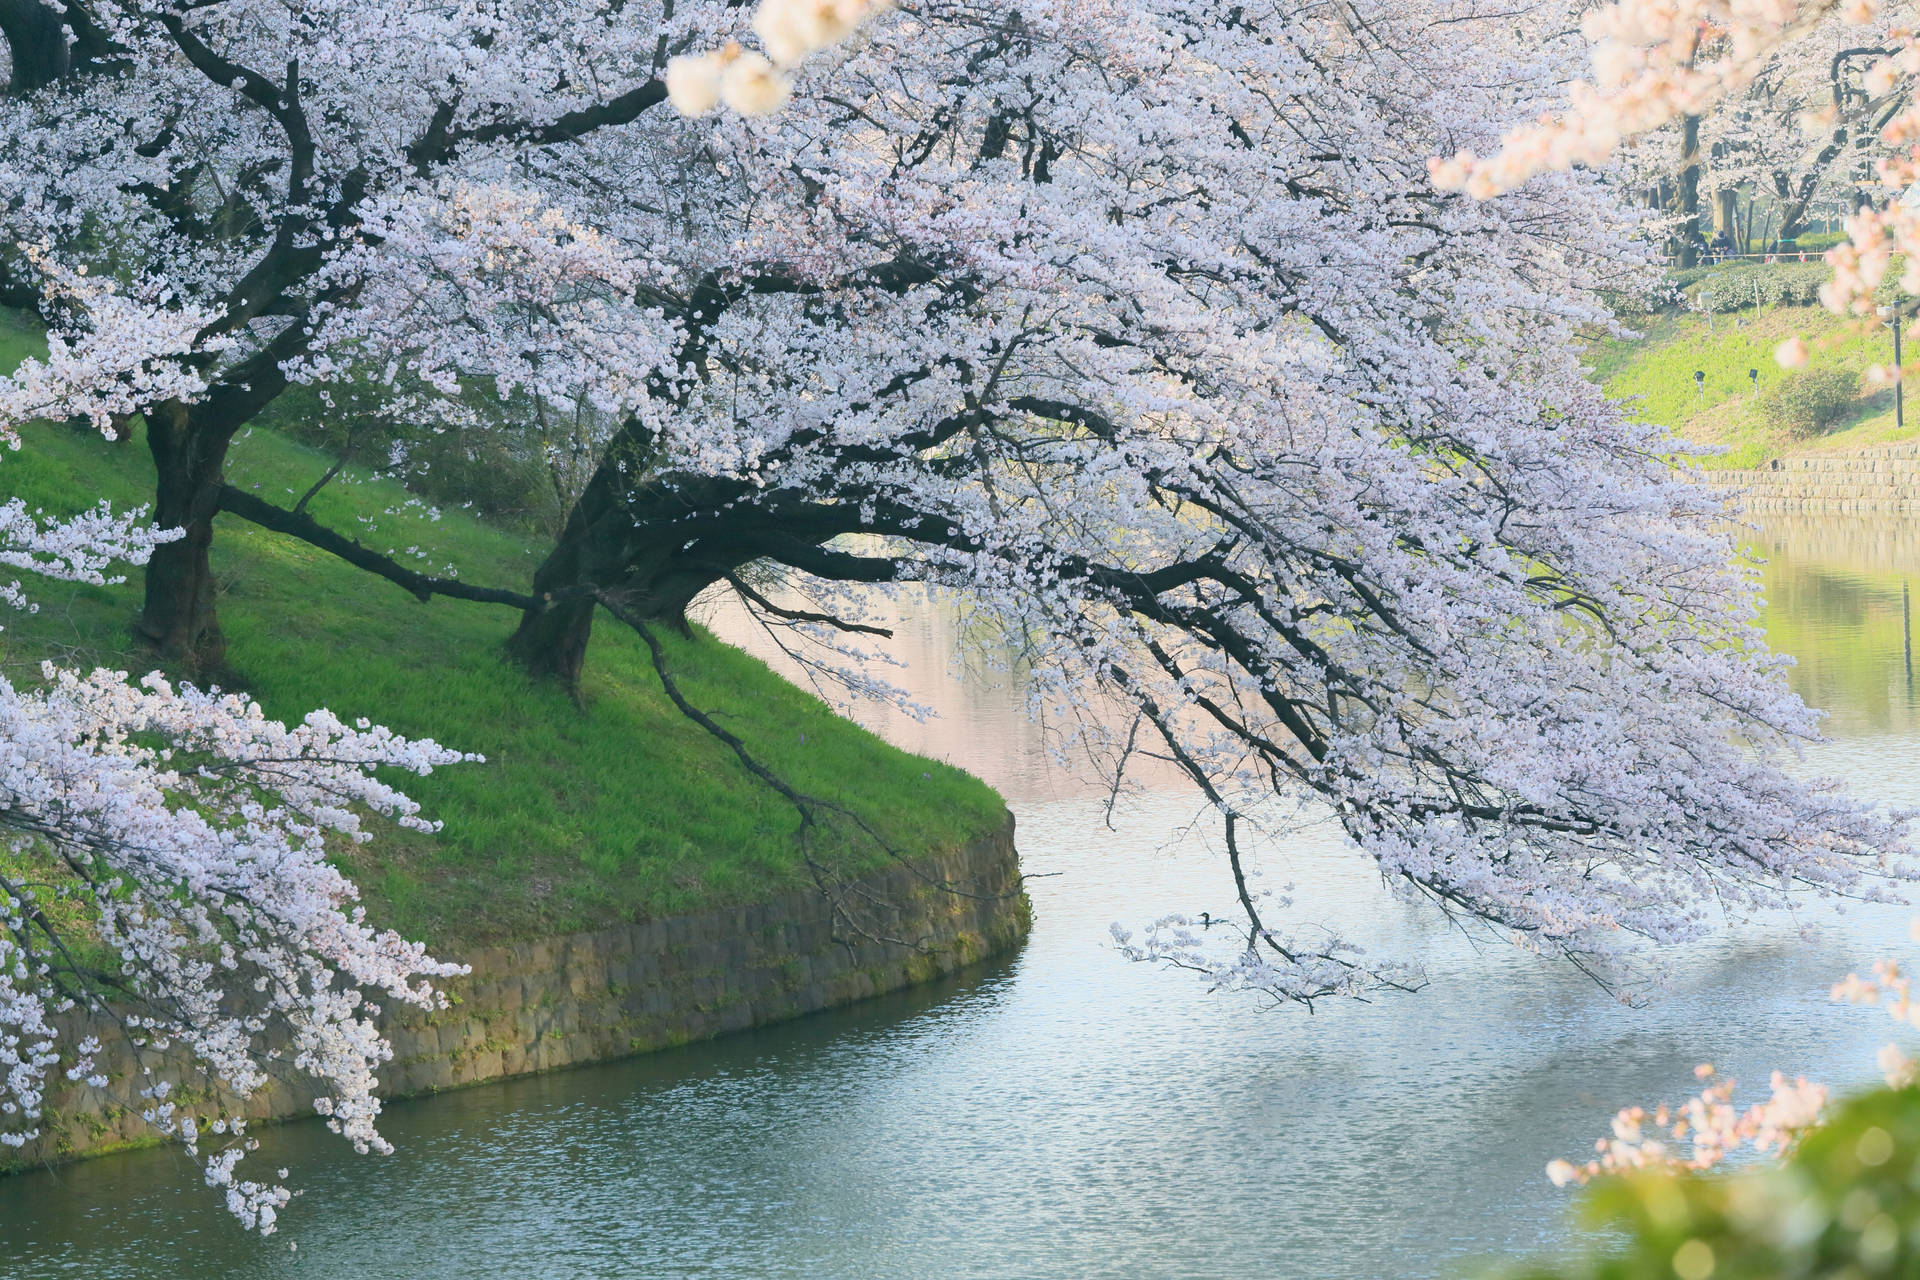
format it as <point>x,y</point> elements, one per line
<point>611,993</point>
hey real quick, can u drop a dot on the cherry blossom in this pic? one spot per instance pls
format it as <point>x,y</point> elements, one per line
<point>1144,328</point>
<point>1715,1129</point>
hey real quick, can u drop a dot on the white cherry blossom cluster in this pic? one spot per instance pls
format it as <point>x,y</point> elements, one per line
<point>114,352</point>
<point>755,84</point>
<point>491,281</point>
<point>81,548</point>
<point>192,833</point>
<point>1652,62</point>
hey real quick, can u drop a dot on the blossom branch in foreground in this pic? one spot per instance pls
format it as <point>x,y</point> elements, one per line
<point>119,353</point>
<point>1716,1129</point>
<point>755,84</point>
<point>165,868</point>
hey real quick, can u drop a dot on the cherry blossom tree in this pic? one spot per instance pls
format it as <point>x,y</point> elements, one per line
<point>296,180</point>
<point>166,870</point>
<point>1148,332</point>
<point>165,866</point>
<point>1799,135</point>
<point>1147,326</point>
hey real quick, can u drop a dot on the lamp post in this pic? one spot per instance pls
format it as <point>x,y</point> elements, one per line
<point>1892,316</point>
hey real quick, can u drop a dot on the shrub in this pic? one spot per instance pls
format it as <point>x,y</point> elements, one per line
<point>1821,241</point>
<point>1810,402</point>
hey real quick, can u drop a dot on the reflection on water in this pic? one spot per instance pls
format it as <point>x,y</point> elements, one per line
<point>1065,1113</point>
<point>1840,600</point>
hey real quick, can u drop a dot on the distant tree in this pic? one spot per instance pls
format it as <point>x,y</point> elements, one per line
<point>1800,133</point>
<point>1654,64</point>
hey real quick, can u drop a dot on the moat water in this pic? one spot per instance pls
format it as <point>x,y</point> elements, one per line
<point>1066,1113</point>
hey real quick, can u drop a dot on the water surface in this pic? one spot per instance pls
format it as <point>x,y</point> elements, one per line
<point>1065,1113</point>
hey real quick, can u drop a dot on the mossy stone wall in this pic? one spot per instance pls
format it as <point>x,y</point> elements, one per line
<point>1880,481</point>
<point>588,997</point>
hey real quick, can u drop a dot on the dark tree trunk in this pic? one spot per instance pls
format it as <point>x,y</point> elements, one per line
<point>617,539</point>
<point>36,44</point>
<point>1687,198</point>
<point>656,542</point>
<point>608,549</point>
<point>552,642</point>
<point>179,616</point>
<point>48,40</point>
<point>1726,215</point>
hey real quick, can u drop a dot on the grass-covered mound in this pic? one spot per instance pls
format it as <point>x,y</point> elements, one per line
<point>616,809</point>
<point>1731,410</point>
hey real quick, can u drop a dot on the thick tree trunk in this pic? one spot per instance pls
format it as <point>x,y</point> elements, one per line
<point>552,642</point>
<point>179,617</point>
<point>653,582</point>
<point>656,544</point>
<point>48,41</point>
<point>36,44</point>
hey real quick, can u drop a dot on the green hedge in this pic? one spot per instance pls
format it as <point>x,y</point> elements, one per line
<point>1733,286</point>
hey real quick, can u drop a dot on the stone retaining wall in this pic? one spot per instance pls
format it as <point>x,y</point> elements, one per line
<point>1883,480</point>
<point>588,997</point>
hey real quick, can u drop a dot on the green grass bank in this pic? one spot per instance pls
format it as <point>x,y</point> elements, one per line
<point>584,816</point>
<point>1728,409</point>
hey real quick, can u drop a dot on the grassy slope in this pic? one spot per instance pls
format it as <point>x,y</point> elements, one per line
<point>1658,369</point>
<point>616,809</point>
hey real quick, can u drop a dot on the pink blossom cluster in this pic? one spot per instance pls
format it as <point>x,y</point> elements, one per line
<point>1716,1129</point>
<point>1709,1123</point>
<point>193,834</point>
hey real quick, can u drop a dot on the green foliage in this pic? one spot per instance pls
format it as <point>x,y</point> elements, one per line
<point>1818,241</point>
<point>482,467</point>
<point>1845,1206</point>
<point>615,809</point>
<point>1810,401</point>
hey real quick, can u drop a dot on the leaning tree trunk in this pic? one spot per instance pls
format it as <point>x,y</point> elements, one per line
<point>179,616</point>
<point>656,543</point>
<point>648,567</point>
